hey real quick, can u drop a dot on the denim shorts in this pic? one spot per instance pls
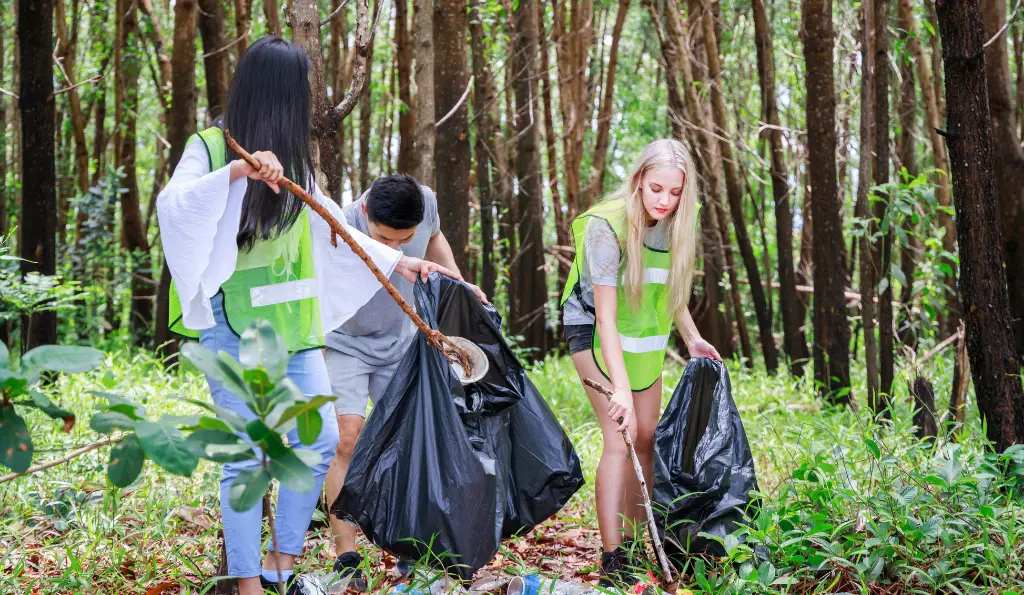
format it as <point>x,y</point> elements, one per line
<point>579,337</point>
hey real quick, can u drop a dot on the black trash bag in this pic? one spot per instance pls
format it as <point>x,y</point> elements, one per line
<point>703,467</point>
<point>438,463</point>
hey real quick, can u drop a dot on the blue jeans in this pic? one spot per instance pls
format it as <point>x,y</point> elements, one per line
<point>242,530</point>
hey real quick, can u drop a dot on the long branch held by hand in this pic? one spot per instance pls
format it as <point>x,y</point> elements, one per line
<point>666,568</point>
<point>451,351</point>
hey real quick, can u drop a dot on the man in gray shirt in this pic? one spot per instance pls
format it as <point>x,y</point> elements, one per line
<point>362,354</point>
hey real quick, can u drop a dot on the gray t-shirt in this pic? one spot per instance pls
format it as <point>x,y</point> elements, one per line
<point>379,332</point>
<point>603,261</point>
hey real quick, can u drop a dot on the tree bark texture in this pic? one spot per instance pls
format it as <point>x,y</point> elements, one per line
<point>604,114</point>
<point>551,137</point>
<point>572,55</point>
<point>1009,162</point>
<point>990,341</point>
<point>424,117</point>
<point>406,116</point>
<point>883,152</point>
<point>485,113</point>
<point>907,157</point>
<point>38,216</point>
<point>530,280</point>
<point>452,154</point>
<point>68,46</point>
<point>868,129</point>
<point>215,63</point>
<point>831,332</point>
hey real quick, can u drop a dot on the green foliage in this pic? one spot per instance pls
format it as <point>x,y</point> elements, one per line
<point>24,295</point>
<point>18,389</point>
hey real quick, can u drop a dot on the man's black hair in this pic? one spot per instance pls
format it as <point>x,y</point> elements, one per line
<point>395,201</point>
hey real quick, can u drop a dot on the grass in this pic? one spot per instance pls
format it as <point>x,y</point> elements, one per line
<point>849,505</point>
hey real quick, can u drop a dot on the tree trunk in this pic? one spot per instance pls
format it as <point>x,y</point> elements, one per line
<point>215,63</point>
<point>881,175</point>
<point>181,125</point>
<point>990,341</point>
<point>4,212</point>
<point>127,63</point>
<point>1009,163</point>
<point>242,10</point>
<point>933,120</point>
<point>485,112</point>
<point>670,52</point>
<point>793,336</point>
<point>452,152</point>
<point>550,136</point>
<point>78,118</point>
<point>424,117</point>
<point>38,216</point>
<point>604,114</point>
<point>938,87</point>
<point>156,37</point>
<point>678,37</point>
<point>99,140</point>
<point>406,116</point>
<point>907,156</point>
<point>573,52</point>
<point>924,401</point>
<point>734,190</point>
<point>862,211</point>
<point>961,380</point>
<point>336,48</point>
<point>831,333</point>
<point>530,281</point>
<point>273,15</point>
<point>365,111</point>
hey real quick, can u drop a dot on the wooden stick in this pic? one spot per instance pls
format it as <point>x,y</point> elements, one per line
<point>652,527</point>
<point>71,455</point>
<point>445,345</point>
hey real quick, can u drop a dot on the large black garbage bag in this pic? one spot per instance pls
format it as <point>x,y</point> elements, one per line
<point>703,468</point>
<point>448,470</point>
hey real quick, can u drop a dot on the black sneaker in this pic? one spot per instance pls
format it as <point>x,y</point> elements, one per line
<point>347,566</point>
<point>615,569</point>
<point>297,584</point>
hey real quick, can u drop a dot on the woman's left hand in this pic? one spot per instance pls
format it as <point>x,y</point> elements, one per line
<point>701,348</point>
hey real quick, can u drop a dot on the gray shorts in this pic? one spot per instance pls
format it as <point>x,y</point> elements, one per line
<point>355,383</point>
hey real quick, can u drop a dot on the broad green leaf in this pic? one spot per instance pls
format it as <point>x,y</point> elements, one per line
<point>212,423</point>
<point>873,447</point>
<point>165,445</point>
<point>280,415</point>
<point>126,460</point>
<point>202,440</point>
<point>257,430</point>
<point>292,472</point>
<point>248,489</point>
<point>284,391</point>
<point>216,368</point>
<point>126,406</point>
<point>68,359</point>
<point>44,404</point>
<point>107,422</point>
<point>766,573</point>
<point>258,381</point>
<point>897,274</point>
<point>260,346</point>
<point>4,355</point>
<point>309,425</point>
<point>15,441</point>
<point>229,417</point>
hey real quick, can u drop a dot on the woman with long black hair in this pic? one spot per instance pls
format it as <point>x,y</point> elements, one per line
<point>240,250</point>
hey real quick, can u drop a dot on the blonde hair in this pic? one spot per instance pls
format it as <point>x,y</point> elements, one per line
<point>682,232</point>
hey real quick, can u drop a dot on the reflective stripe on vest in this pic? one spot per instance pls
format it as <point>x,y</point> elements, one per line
<point>644,331</point>
<point>274,281</point>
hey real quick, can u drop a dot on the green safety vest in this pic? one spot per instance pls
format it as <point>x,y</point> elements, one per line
<point>274,281</point>
<point>644,332</point>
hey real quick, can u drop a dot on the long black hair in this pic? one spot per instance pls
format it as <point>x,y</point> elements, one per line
<point>268,109</point>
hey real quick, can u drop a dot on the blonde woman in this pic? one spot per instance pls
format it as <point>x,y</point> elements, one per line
<point>629,283</point>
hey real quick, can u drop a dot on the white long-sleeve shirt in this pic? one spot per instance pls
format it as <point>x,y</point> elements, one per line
<point>199,213</point>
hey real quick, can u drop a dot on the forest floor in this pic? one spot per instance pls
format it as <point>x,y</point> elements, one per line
<point>849,505</point>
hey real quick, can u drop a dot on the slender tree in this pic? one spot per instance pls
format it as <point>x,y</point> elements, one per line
<point>831,333</point>
<point>734,191</point>
<point>406,117</point>
<point>4,215</point>
<point>38,216</point>
<point>243,8</point>
<point>880,170</point>
<point>273,16</point>
<point>792,320</point>
<point>423,113</point>
<point>452,151</point>
<point>573,52</point>
<point>67,50</point>
<point>530,281</point>
<point>995,367</point>
<point>862,211</point>
<point>551,140</point>
<point>1009,162</point>
<point>485,113</point>
<point>215,60</point>
<point>604,115</point>
<point>365,111</point>
<point>907,158</point>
